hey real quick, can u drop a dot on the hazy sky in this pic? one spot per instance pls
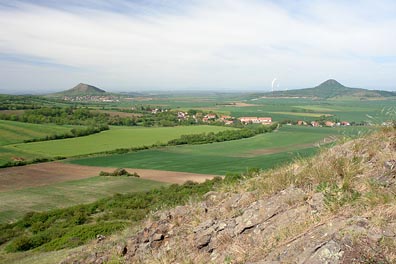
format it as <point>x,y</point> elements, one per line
<point>121,45</point>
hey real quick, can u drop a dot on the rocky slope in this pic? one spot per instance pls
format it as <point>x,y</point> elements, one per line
<point>338,207</point>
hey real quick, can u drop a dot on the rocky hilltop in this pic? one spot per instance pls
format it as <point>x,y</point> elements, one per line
<point>338,207</point>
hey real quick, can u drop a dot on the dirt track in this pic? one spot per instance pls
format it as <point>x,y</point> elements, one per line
<point>53,172</point>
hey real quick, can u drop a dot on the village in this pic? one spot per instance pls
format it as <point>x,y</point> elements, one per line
<point>230,120</point>
<point>92,98</point>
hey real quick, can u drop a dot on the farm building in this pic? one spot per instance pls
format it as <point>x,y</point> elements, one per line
<point>345,123</point>
<point>228,122</point>
<point>225,117</point>
<point>329,124</point>
<point>256,120</point>
<point>301,123</point>
<point>209,117</point>
<point>182,115</point>
<point>314,123</point>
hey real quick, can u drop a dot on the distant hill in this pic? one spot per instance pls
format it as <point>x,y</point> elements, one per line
<point>81,89</point>
<point>331,89</point>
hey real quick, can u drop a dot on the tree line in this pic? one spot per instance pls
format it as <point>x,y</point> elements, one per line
<point>74,132</point>
<point>227,135</point>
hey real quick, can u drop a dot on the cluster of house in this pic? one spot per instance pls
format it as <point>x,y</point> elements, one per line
<point>228,120</point>
<point>256,120</point>
<point>156,110</point>
<point>325,123</point>
<point>91,98</point>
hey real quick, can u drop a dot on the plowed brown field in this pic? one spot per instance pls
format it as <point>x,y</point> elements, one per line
<point>53,172</point>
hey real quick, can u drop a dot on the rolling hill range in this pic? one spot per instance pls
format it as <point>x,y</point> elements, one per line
<point>331,89</point>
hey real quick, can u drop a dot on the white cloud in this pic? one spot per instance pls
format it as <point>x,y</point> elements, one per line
<point>209,44</point>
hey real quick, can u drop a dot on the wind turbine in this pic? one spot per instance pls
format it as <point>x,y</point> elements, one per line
<point>272,84</point>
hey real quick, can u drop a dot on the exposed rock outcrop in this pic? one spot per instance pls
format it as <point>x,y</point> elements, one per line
<point>349,220</point>
<point>288,227</point>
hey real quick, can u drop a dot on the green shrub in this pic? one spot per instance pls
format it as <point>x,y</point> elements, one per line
<point>119,172</point>
<point>74,226</point>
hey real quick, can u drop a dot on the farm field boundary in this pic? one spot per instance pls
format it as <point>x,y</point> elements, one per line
<point>42,174</point>
<point>116,137</point>
<point>262,151</point>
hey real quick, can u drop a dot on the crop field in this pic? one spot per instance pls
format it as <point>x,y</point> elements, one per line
<point>116,137</point>
<point>305,109</point>
<point>262,151</point>
<point>299,114</point>
<point>9,154</point>
<point>284,108</point>
<point>15,203</point>
<point>42,174</point>
<point>12,132</point>
<point>178,101</point>
<point>44,186</point>
<point>15,132</point>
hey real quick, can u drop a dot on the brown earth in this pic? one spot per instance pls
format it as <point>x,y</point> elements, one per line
<point>53,172</point>
<point>240,104</point>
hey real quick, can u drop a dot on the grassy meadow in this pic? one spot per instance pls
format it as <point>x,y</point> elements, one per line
<point>15,203</point>
<point>116,137</point>
<point>15,132</point>
<point>12,132</point>
<point>262,151</point>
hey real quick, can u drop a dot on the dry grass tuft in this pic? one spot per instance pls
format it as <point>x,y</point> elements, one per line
<point>346,172</point>
<point>356,183</point>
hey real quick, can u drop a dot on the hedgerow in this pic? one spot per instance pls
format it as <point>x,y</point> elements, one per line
<point>74,226</point>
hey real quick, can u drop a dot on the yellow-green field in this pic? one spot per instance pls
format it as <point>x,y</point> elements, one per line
<point>262,151</point>
<point>301,114</point>
<point>12,132</point>
<point>116,137</point>
<point>317,108</point>
<point>15,203</point>
<point>15,132</point>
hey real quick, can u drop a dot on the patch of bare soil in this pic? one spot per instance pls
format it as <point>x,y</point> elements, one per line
<point>54,172</point>
<point>240,104</point>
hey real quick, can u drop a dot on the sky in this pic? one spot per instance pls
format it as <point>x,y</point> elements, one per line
<point>221,45</point>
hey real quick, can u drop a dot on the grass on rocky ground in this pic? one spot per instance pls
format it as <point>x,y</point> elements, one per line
<point>355,178</point>
<point>354,171</point>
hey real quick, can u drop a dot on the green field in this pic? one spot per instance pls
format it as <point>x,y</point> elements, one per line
<point>15,132</point>
<point>283,108</point>
<point>262,151</point>
<point>311,115</point>
<point>14,204</point>
<point>306,109</point>
<point>116,137</point>
<point>12,132</point>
